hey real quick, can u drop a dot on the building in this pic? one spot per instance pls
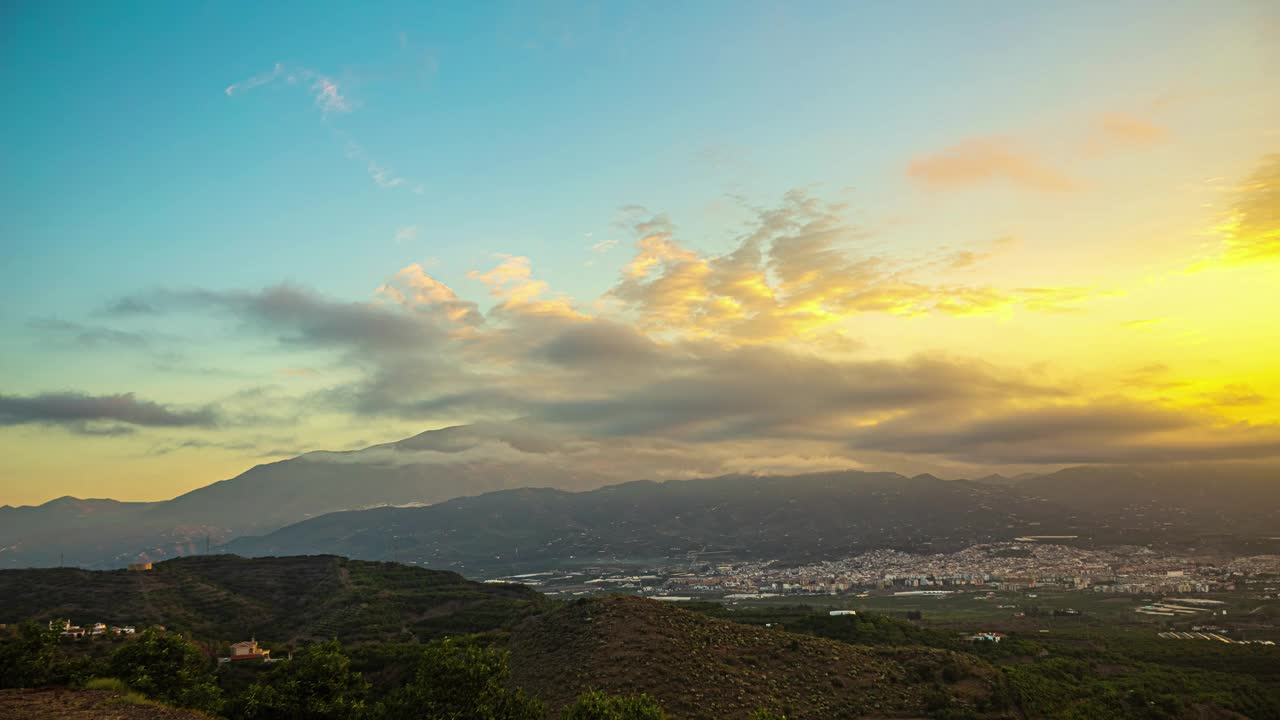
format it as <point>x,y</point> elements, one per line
<point>139,566</point>
<point>986,637</point>
<point>248,650</point>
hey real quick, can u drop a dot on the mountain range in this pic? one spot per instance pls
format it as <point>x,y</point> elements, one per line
<point>468,497</point>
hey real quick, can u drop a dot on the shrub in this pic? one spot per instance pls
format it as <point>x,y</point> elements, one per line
<point>598,705</point>
<point>459,680</point>
<point>167,668</point>
<point>317,683</point>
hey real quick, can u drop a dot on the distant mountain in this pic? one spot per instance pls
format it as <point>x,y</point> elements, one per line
<point>427,468</point>
<point>223,598</point>
<point>1234,493</point>
<point>794,517</point>
<point>806,516</point>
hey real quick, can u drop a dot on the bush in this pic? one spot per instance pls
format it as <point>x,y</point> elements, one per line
<point>167,668</point>
<point>317,683</point>
<point>459,680</point>
<point>597,705</point>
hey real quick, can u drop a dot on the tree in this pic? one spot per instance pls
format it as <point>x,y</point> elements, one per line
<point>598,705</point>
<point>765,714</point>
<point>168,668</point>
<point>31,659</point>
<point>318,683</point>
<point>460,680</point>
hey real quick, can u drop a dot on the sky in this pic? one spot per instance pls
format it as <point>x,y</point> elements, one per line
<point>709,237</point>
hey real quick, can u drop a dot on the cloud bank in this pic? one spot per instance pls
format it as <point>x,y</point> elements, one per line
<point>742,360</point>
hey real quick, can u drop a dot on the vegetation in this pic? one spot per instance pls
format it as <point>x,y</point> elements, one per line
<point>615,658</point>
<point>460,679</point>
<point>596,705</point>
<point>315,684</point>
<point>169,668</point>
<point>285,600</point>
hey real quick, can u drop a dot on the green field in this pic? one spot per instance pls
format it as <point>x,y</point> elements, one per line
<point>978,611</point>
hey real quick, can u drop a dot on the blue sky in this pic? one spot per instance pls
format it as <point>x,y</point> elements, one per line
<point>468,130</point>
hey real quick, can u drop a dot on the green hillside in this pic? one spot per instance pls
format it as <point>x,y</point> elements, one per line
<point>223,598</point>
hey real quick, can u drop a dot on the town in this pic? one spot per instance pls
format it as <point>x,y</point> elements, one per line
<point>1008,566</point>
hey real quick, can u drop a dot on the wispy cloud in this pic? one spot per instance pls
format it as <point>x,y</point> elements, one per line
<point>256,81</point>
<point>1251,230</point>
<point>987,160</point>
<point>405,233</point>
<point>1116,130</point>
<point>604,246</point>
<point>89,336</point>
<point>382,176</point>
<point>324,90</point>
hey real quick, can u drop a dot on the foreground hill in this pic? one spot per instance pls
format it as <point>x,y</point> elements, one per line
<point>228,598</point>
<point>700,668</point>
<point>795,517</point>
<point>427,468</point>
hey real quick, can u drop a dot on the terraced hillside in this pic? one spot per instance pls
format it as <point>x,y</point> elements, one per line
<point>224,597</point>
<point>701,668</point>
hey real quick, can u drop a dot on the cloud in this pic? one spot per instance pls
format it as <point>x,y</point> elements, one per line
<point>413,288</point>
<point>328,96</point>
<point>298,317</point>
<point>987,160</point>
<point>324,90</point>
<point>89,336</point>
<point>512,283</point>
<point>799,272</point>
<point>383,177</point>
<point>296,372</point>
<point>1251,231</point>
<point>1118,130</point>
<point>1097,432</point>
<point>87,414</point>
<point>255,81</point>
<point>406,233</point>
<point>709,362</point>
<point>1234,395</point>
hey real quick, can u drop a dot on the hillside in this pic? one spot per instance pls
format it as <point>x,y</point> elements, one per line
<point>285,600</point>
<point>700,668</point>
<point>794,517</point>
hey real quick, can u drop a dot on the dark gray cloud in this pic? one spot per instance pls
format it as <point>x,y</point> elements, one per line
<point>75,410</point>
<point>296,316</point>
<point>1100,432</point>
<point>600,344</point>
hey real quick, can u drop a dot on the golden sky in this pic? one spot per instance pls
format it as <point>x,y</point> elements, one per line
<point>1061,251</point>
